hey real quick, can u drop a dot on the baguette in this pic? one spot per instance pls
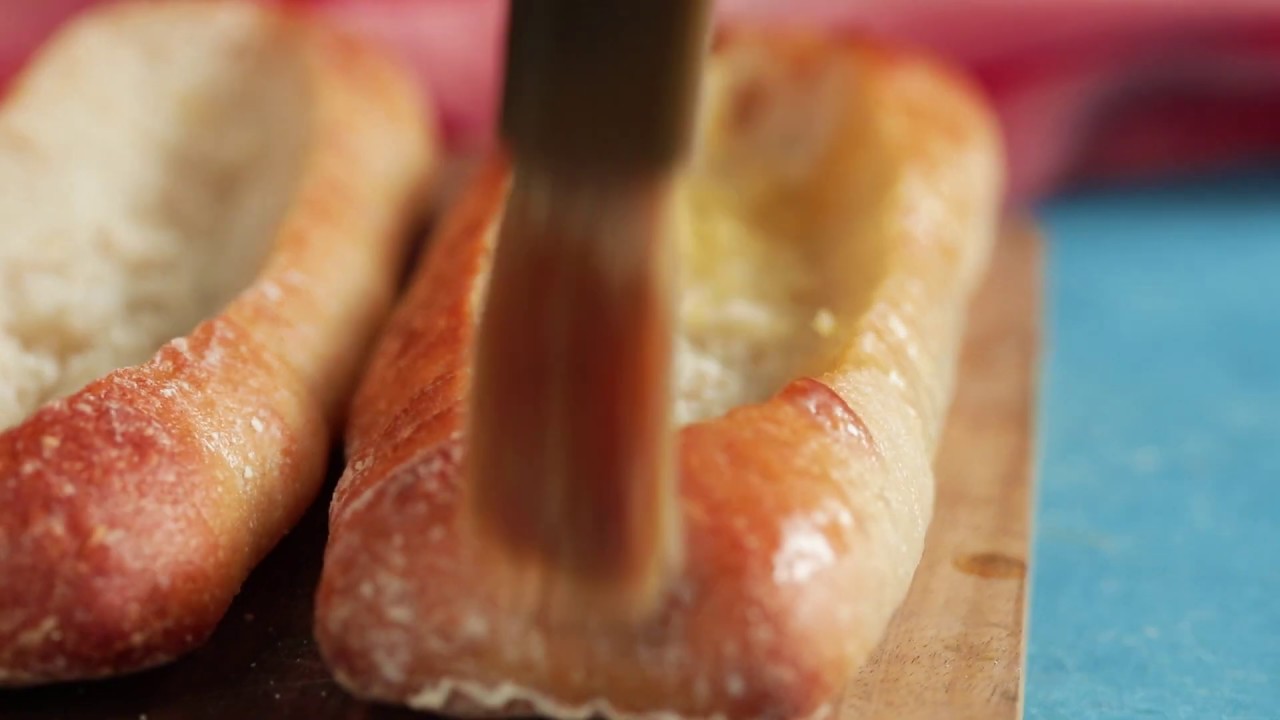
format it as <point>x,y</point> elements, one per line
<point>234,177</point>
<point>839,211</point>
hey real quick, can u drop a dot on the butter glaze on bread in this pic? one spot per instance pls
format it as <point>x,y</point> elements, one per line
<point>236,178</point>
<point>839,213</point>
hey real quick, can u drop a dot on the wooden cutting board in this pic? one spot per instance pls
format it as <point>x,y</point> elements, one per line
<point>954,650</point>
<point>956,647</point>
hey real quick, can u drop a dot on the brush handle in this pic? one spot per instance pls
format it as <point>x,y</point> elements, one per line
<point>602,86</point>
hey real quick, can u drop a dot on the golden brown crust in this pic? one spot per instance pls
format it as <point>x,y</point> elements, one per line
<point>804,515</point>
<point>131,511</point>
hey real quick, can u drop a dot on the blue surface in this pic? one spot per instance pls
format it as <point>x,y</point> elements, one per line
<point>1156,583</point>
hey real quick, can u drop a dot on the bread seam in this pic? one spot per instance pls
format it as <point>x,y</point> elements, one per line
<point>458,697</point>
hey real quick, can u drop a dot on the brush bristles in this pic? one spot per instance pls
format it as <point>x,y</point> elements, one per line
<point>571,478</point>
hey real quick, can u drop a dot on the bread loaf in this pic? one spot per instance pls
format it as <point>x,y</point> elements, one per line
<point>838,214</point>
<point>204,209</point>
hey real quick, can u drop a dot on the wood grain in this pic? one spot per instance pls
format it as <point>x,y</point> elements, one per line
<point>954,650</point>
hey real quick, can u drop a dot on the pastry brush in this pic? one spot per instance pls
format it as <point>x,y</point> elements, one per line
<point>570,443</point>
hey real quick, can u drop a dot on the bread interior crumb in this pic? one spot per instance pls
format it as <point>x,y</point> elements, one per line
<point>145,163</point>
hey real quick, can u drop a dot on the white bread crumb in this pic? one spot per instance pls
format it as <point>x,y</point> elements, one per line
<point>127,224</point>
